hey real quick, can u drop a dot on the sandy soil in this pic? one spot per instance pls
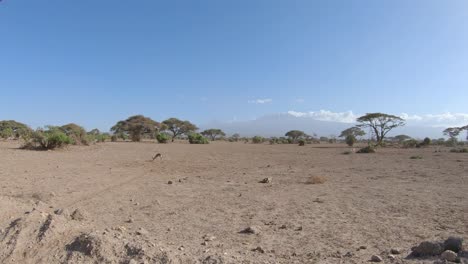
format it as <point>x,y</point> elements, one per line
<point>128,213</point>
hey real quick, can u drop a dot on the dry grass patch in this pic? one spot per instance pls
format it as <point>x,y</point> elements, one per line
<point>316,180</point>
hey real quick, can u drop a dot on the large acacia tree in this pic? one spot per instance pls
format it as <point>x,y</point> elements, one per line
<point>179,127</point>
<point>380,124</point>
<point>213,133</point>
<point>136,127</point>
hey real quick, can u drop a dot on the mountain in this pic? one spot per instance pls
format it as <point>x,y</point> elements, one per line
<point>278,124</point>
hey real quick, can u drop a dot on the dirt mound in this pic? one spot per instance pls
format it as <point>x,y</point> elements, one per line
<point>41,236</point>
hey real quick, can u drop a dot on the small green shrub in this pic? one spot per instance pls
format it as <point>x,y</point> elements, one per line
<point>162,138</point>
<point>410,143</point>
<point>196,138</point>
<point>114,138</point>
<point>347,152</point>
<point>302,142</point>
<point>416,157</point>
<point>350,140</point>
<point>257,140</point>
<point>368,149</point>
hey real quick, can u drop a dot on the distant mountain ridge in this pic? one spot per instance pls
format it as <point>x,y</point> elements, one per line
<point>277,125</point>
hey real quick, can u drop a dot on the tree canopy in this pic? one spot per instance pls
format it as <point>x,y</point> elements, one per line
<point>213,133</point>
<point>11,128</point>
<point>380,124</point>
<point>295,134</point>
<point>136,126</point>
<point>179,127</point>
<point>352,131</point>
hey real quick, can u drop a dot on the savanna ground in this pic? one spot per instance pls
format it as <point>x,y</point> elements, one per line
<point>132,215</point>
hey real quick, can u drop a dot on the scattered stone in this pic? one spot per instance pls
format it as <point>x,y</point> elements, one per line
<point>428,248</point>
<point>266,180</point>
<point>204,243</point>
<point>58,212</point>
<point>395,251</point>
<point>78,215</point>
<point>376,258</point>
<point>454,244</point>
<point>169,182</point>
<point>141,231</point>
<point>449,255</point>
<point>181,248</point>
<point>251,230</point>
<point>391,257</point>
<point>130,220</point>
<point>259,249</point>
<point>363,247</point>
<point>349,254</point>
<point>299,228</point>
<point>283,227</point>
<point>209,238</point>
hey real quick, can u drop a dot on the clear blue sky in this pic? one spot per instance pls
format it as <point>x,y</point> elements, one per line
<point>96,62</point>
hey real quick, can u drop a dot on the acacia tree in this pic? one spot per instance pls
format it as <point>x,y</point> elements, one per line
<point>179,127</point>
<point>380,124</point>
<point>11,128</point>
<point>294,135</point>
<point>213,133</point>
<point>136,126</point>
<point>352,131</point>
<point>401,138</point>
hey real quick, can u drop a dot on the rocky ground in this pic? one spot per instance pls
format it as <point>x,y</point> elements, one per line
<point>231,203</point>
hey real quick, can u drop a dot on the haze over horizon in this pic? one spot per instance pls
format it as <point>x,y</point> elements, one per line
<point>96,62</point>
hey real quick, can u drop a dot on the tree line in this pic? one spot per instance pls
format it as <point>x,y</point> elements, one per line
<point>138,127</point>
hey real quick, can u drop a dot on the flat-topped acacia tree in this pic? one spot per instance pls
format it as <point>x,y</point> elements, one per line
<point>136,127</point>
<point>213,133</point>
<point>294,135</point>
<point>11,128</point>
<point>380,124</point>
<point>179,127</point>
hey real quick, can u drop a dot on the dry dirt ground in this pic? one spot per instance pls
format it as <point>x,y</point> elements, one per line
<point>128,213</point>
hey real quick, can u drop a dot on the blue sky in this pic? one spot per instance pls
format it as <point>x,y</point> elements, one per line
<point>96,62</point>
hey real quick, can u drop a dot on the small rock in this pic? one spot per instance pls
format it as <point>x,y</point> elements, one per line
<point>58,211</point>
<point>428,248</point>
<point>169,182</point>
<point>142,231</point>
<point>454,244</point>
<point>209,238</point>
<point>181,248</point>
<point>130,220</point>
<point>363,247</point>
<point>449,255</point>
<point>78,215</point>
<point>251,230</point>
<point>395,251</point>
<point>391,257</point>
<point>299,228</point>
<point>204,243</point>
<point>259,249</point>
<point>283,227</point>
<point>349,254</point>
<point>376,258</point>
<point>266,180</point>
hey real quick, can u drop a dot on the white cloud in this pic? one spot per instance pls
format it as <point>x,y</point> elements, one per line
<point>437,120</point>
<point>261,101</point>
<point>433,120</point>
<point>325,115</point>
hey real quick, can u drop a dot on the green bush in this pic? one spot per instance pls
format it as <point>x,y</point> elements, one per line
<point>350,140</point>
<point>51,138</point>
<point>416,157</point>
<point>257,140</point>
<point>196,138</point>
<point>302,142</point>
<point>411,143</point>
<point>368,149</point>
<point>162,138</point>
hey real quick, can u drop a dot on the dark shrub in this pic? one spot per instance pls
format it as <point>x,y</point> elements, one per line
<point>350,140</point>
<point>426,141</point>
<point>459,150</point>
<point>51,138</point>
<point>368,149</point>
<point>302,142</point>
